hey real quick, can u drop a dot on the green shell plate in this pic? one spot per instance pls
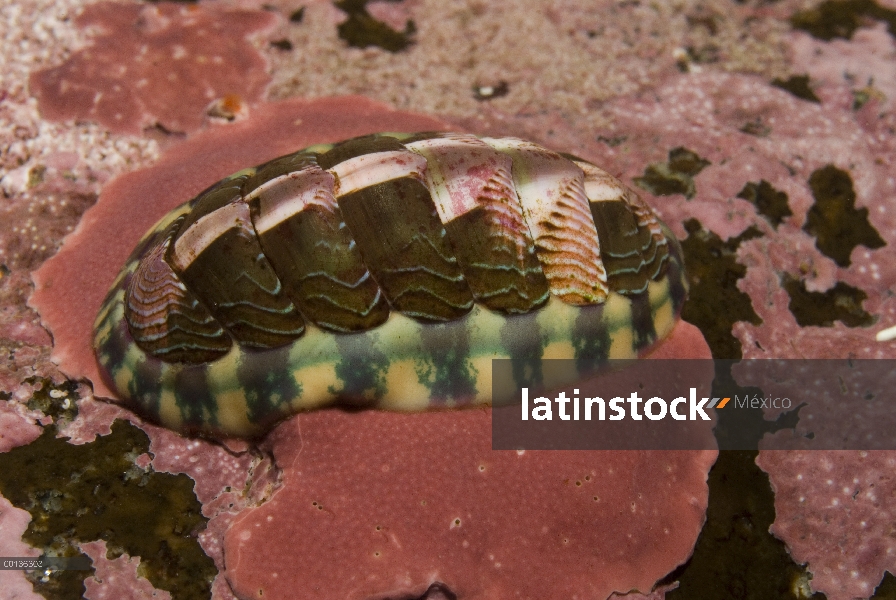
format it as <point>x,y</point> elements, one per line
<point>387,272</point>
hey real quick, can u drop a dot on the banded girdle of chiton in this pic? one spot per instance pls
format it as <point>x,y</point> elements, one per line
<point>424,224</point>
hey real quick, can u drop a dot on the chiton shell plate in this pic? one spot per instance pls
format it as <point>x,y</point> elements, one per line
<point>385,271</point>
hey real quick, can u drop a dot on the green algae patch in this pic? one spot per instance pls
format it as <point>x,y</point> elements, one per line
<point>769,202</point>
<point>842,303</point>
<point>840,18</point>
<point>834,221</point>
<point>714,303</point>
<point>361,30</point>
<point>798,85</point>
<point>95,492</point>
<point>675,176</point>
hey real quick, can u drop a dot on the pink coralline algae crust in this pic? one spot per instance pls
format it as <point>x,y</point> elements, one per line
<point>161,63</point>
<point>16,427</point>
<point>706,113</point>
<point>18,325</point>
<point>864,63</point>
<point>117,578</point>
<point>835,510</point>
<point>94,418</point>
<point>13,523</point>
<point>845,540</point>
<point>842,403</point>
<point>420,498</point>
<point>229,482</point>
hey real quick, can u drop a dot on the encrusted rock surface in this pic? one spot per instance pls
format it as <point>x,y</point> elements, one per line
<point>651,91</point>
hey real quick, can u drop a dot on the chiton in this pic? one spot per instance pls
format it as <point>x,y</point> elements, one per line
<point>384,271</point>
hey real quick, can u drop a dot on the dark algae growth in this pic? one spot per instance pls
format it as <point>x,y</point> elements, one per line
<point>769,202</point>
<point>361,30</point>
<point>840,18</point>
<point>715,303</point>
<point>842,302</point>
<point>735,555</point>
<point>834,221</point>
<point>94,492</point>
<point>799,86</point>
<point>675,176</point>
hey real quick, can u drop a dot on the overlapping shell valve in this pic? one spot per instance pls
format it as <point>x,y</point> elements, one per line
<point>426,225</point>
